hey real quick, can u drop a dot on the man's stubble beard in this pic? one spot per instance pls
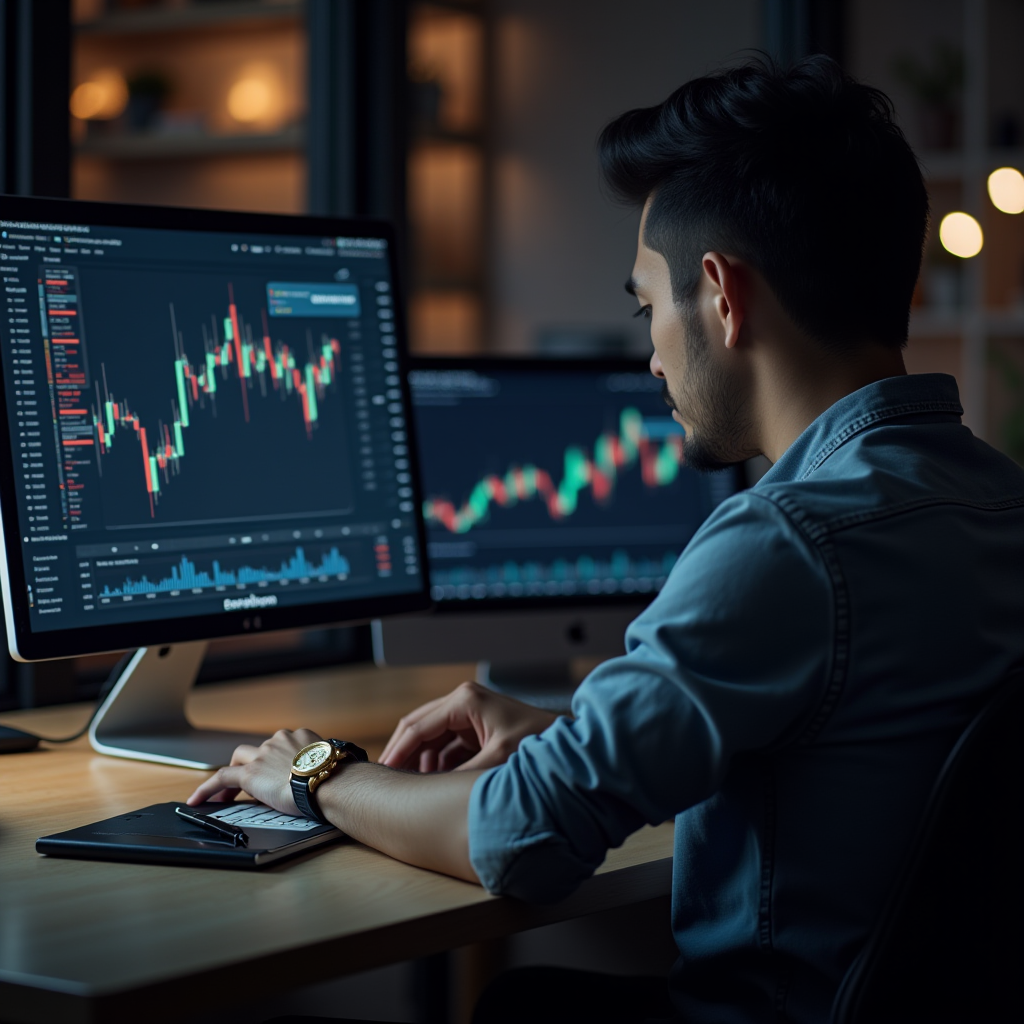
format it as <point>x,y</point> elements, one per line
<point>721,425</point>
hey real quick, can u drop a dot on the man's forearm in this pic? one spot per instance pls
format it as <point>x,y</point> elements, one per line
<point>421,819</point>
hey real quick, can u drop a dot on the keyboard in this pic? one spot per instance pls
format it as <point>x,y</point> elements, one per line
<point>249,815</point>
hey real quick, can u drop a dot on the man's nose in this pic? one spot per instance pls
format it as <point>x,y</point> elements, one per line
<point>656,367</point>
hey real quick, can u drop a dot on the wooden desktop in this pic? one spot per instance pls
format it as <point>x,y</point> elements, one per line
<point>94,941</point>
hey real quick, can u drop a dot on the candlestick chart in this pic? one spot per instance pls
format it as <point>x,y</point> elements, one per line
<point>232,351</point>
<point>660,462</point>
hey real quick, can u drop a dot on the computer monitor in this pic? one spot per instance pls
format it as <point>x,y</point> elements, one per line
<point>207,434</point>
<point>556,501</point>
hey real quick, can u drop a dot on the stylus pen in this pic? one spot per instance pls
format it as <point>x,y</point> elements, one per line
<point>233,832</point>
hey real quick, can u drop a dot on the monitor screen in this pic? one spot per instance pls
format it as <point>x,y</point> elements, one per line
<point>552,481</point>
<point>206,426</point>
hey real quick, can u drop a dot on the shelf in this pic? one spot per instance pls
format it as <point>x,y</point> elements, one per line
<point>194,16</point>
<point>163,145</point>
<point>928,323</point>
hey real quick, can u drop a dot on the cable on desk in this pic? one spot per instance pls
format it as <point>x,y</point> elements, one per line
<point>108,685</point>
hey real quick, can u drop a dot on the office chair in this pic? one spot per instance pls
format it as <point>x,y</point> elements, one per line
<point>948,944</point>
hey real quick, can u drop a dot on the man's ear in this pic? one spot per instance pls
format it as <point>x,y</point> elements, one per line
<point>722,279</point>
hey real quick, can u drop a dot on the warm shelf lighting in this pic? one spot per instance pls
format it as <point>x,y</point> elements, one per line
<point>102,98</point>
<point>1006,190</point>
<point>255,98</point>
<point>249,100</point>
<point>961,235</point>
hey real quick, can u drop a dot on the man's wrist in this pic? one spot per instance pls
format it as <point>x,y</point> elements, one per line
<point>313,765</point>
<point>330,794</point>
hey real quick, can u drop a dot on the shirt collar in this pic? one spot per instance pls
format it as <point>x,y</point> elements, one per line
<point>913,394</point>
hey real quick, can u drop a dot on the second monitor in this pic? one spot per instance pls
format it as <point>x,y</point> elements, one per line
<point>557,501</point>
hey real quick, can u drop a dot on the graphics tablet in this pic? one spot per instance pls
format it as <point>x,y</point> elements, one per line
<point>157,835</point>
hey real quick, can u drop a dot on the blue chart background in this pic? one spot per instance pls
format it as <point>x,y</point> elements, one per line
<point>532,417</point>
<point>268,465</point>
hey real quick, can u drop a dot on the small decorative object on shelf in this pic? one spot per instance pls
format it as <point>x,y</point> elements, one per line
<point>147,93</point>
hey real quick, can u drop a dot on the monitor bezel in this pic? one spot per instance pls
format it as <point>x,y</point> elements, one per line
<point>545,364</point>
<point>28,645</point>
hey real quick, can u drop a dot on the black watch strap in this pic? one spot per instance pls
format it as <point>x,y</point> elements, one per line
<point>345,747</point>
<point>305,799</point>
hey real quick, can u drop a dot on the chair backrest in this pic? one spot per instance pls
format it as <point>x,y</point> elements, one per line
<point>948,945</point>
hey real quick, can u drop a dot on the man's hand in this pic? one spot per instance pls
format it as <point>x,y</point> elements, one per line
<point>473,727</point>
<point>264,772</point>
<point>419,819</point>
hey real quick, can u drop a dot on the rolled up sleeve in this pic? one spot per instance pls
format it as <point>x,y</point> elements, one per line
<point>732,656</point>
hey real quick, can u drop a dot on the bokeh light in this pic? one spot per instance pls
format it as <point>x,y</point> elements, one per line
<point>255,98</point>
<point>961,234</point>
<point>102,98</point>
<point>1006,190</point>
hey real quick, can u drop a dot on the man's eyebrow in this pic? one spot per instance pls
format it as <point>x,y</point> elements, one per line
<point>631,286</point>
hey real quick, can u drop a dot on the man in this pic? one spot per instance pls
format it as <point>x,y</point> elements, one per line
<point>790,695</point>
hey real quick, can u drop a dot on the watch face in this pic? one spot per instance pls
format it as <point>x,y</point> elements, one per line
<point>310,758</point>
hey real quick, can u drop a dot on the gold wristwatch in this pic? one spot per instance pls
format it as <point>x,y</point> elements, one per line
<point>312,765</point>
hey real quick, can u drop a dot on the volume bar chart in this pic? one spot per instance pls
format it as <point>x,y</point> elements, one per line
<point>185,575</point>
<point>621,573</point>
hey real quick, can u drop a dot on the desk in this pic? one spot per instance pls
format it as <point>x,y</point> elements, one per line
<point>84,941</point>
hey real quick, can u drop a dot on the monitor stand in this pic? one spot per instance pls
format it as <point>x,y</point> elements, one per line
<point>547,685</point>
<point>143,716</point>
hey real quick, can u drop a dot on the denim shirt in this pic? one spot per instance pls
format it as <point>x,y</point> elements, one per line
<point>788,698</point>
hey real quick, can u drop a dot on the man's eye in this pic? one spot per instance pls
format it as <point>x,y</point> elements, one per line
<point>644,311</point>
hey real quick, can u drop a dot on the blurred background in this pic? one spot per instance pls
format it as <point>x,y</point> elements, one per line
<point>472,124</point>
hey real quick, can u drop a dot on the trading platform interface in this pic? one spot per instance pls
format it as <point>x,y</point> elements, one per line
<point>202,422</point>
<point>557,482</point>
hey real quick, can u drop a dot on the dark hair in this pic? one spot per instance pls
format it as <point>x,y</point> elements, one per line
<point>802,172</point>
